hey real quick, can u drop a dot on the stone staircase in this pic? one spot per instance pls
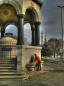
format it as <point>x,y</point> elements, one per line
<point>8,70</point>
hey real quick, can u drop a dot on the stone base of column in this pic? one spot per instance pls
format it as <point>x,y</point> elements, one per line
<point>24,55</point>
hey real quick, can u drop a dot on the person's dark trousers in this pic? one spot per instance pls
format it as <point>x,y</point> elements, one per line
<point>38,65</point>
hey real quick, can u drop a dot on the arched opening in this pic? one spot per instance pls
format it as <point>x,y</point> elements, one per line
<point>30,15</point>
<point>30,18</point>
<point>27,34</point>
<point>8,16</point>
<point>12,30</point>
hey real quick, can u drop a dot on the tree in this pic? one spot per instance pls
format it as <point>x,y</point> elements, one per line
<point>55,44</point>
<point>46,51</point>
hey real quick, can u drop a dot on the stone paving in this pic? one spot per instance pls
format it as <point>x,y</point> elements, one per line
<point>49,77</point>
<point>41,78</point>
<point>11,82</point>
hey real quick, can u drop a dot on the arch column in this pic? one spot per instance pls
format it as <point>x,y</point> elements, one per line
<point>33,33</point>
<point>2,25</point>
<point>2,31</point>
<point>37,33</point>
<point>20,29</point>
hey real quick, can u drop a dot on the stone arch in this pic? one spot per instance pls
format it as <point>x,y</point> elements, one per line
<point>34,21</point>
<point>8,13</point>
<point>35,8</point>
<point>14,3</point>
<point>8,16</point>
<point>33,13</point>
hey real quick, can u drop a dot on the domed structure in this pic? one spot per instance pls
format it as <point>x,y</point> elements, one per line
<point>8,41</point>
<point>8,47</point>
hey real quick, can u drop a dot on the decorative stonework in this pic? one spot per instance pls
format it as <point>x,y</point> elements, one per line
<point>7,13</point>
<point>30,4</point>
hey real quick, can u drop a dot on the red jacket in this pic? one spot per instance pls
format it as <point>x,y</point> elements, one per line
<point>37,58</point>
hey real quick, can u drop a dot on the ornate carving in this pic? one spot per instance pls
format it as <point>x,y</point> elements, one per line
<point>7,13</point>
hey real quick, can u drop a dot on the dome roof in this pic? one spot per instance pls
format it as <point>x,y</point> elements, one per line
<point>8,41</point>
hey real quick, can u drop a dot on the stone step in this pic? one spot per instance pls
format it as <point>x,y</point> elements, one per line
<point>3,59</point>
<point>7,65</point>
<point>11,74</point>
<point>6,70</point>
<point>11,77</point>
<point>2,66</point>
<point>6,62</point>
<point>15,75</point>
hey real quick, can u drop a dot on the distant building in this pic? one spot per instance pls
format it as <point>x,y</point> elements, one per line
<point>43,38</point>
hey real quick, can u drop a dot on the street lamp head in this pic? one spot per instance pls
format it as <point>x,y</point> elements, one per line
<point>60,6</point>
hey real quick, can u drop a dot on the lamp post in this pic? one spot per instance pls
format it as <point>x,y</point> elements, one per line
<point>61,27</point>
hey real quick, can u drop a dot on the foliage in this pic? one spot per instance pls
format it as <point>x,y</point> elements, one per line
<point>46,51</point>
<point>50,60</point>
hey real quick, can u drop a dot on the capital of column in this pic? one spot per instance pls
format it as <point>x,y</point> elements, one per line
<point>37,23</point>
<point>32,27</point>
<point>20,15</point>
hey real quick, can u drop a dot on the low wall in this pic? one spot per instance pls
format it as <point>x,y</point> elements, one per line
<point>24,53</point>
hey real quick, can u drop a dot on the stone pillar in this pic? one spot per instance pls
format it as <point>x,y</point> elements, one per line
<point>37,33</point>
<point>2,32</point>
<point>33,34</point>
<point>2,25</point>
<point>20,29</point>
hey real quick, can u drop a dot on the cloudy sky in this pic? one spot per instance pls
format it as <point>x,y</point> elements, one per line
<point>51,16</point>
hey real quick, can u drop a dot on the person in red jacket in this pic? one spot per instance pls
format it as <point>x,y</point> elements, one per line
<point>38,62</point>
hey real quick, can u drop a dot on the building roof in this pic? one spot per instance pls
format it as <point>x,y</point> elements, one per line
<point>8,41</point>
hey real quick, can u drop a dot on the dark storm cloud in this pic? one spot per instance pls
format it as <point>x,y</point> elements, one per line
<point>51,16</point>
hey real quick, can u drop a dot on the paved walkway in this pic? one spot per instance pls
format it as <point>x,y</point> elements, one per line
<point>51,75</point>
<point>47,79</point>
